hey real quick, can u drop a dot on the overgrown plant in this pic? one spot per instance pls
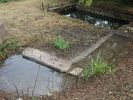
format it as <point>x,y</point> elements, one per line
<point>60,43</point>
<point>97,67</point>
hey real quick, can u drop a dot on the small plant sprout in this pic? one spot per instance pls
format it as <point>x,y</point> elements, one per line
<point>60,43</point>
<point>96,67</point>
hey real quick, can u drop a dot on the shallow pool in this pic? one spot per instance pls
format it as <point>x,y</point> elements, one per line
<point>22,73</point>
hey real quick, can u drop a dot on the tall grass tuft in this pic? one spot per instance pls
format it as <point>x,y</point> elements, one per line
<point>97,67</point>
<point>60,43</point>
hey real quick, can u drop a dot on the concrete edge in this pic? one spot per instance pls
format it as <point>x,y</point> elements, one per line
<point>44,63</point>
<point>87,52</point>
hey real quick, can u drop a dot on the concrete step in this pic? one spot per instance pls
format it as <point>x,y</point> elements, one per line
<point>47,59</point>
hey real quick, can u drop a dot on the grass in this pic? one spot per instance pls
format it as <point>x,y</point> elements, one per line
<point>34,98</point>
<point>61,44</point>
<point>97,67</point>
<point>8,46</point>
<point>3,1</point>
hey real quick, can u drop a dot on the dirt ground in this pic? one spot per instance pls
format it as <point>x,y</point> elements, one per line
<point>117,86</point>
<point>37,28</point>
<point>26,21</point>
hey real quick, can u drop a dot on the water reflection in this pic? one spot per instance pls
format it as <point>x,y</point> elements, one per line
<point>22,73</point>
<point>93,19</point>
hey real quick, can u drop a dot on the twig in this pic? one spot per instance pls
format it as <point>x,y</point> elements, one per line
<point>27,93</point>
<point>36,79</point>
<point>16,90</point>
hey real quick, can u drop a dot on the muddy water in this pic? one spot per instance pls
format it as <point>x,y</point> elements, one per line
<point>22,73</point>
<point>94,19</point>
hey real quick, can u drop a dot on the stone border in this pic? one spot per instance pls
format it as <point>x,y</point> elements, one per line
<point>58,9</point>
<point>59,64</point>
<point>47,59</point>
<point>92,10</point>
<point>87,52</point>
<point>109,14</point>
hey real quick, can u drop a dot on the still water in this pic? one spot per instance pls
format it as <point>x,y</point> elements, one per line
<point>22,73</point>
<point>94,19</point>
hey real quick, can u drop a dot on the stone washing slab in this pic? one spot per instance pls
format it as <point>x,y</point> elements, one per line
<point>47,59</point>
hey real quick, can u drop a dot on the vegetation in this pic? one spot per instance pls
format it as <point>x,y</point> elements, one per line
<point>85,2</point>
<point>8,46</point>
<point>97,67</point>
<point>3,1</point>
<point>60,43</point>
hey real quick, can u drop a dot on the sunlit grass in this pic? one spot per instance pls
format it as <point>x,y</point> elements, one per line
<point>60,43</point>
<point>98,66</point>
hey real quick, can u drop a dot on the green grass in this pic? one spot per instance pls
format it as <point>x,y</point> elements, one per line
<point>97,67</point>
<point>60,43</point>
<point>3,1</point>
<point>34,98</point>
<point>8,46</point>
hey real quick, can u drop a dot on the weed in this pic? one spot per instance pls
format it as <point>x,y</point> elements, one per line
<point>60,43</point>
<point>8,46</point>
<point>97,67</point>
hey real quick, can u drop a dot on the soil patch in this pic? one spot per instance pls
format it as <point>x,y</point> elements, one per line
<point>117,86</point>
<point>79,38</point>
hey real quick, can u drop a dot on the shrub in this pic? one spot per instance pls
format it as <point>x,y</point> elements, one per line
<point>97,67</point>
<point>60,43</point>
<point>3,1</point>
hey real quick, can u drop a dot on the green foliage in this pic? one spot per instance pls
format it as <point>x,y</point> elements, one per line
<point>3,1</point>
<point>85,2</point>
<point>2,54</point>
<point>60,43</point>
<point>8,46</point>
<point>97,67</point>
<point>34,98</point>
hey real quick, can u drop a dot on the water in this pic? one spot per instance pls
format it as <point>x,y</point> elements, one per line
<point>22,73</point>
<point>94,19</point>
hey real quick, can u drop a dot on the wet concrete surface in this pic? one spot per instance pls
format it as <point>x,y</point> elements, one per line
<point>22,73</point>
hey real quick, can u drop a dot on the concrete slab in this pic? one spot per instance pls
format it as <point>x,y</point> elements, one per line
<point>47,59</point>
<point>76,71</point>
